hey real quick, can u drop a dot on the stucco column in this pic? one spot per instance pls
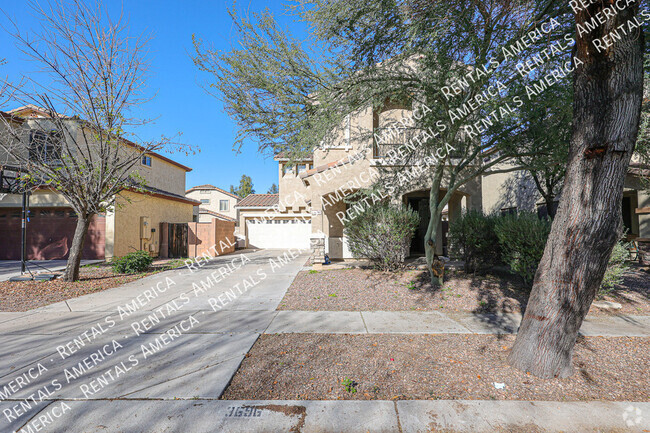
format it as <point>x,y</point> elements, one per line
<point>644,219</point>
<point>455,207</point>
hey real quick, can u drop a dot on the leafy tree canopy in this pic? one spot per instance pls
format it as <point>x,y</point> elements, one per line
<point>245,187</point>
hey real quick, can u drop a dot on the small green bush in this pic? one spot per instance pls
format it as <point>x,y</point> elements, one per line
<point>472,239</point>
<point>134,262</point>
<point>616,268</point>
<point>382,234</point>
<point>522,238</point>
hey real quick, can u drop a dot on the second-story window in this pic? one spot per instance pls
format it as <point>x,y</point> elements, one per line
<point>205,201</point>
<point>223,205</point>
<point>45,147</point>
<point>146,160</point>
<point>302,168</point>
<point>287,169</point>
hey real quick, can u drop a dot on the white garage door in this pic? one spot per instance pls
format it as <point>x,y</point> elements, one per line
<point>278,233</point>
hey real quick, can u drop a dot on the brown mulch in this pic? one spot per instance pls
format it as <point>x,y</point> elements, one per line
<point>367,289</point>
<point>383,367</point>
<point>26,295</point>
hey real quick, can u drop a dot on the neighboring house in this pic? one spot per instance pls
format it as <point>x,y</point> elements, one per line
<point>215,203</point>
<point>132,224</point>
<point>304,213</point>
<point>265,224</point>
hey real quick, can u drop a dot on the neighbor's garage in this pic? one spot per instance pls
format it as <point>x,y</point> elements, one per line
<point>278,233</point>
<point>49,234</point>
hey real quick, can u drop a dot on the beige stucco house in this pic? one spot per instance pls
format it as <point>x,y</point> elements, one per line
<point>131,224</point>
<point>309,211</point>
<point>215,203</point>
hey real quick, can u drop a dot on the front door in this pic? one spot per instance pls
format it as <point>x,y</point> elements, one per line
<point>421,206</point>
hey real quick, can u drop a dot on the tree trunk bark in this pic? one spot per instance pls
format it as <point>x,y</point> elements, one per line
<point>434,264</point>
<point>74,259</point>
<point>608,89</point>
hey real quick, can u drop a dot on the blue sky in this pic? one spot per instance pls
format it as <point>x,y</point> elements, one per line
<point>181,105</point>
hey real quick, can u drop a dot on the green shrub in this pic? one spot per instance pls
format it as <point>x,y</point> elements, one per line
<point>616,268</point>
<point>472,239</point>
<point>382,234</point>
<point>136,261</point>
<point>522,238</point>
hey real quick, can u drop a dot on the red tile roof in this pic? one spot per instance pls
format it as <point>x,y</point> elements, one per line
<point>321,168</point>
<point>639,169</point>
<point>259,200</point>
<point>207,186</point>
<point>217,215</point>
<point>284,156</point>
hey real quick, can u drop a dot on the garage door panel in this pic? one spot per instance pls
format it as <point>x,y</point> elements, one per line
<point>49,235</point>
<point>278,233</point>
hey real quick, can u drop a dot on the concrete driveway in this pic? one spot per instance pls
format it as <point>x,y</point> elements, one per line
<point>11,268</point>
<point>175,336</point>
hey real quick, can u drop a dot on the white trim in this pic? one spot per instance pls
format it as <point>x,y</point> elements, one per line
<point>277,215</point>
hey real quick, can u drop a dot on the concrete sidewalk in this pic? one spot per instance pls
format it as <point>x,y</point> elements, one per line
<point>435,322</point>
<point>460,416</point>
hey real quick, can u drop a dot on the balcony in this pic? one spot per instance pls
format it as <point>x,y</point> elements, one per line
<point>387,139</point>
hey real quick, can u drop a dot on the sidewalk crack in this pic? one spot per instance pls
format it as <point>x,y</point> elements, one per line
<point>34,416</point>
<point>364,322</point>
<point>183,375</point>
<point>275,314</point>
<point>399,424</point>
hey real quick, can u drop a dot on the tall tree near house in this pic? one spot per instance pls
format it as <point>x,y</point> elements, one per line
<point>245,187</point>
<point>273,189</point>
<point>608,90</point>
<point>377,54</point>
<point>92,74</point>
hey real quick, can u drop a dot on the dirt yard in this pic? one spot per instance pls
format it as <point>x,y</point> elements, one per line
<point>367,289</point>
<point>26,295</point>
<point>382,367</point>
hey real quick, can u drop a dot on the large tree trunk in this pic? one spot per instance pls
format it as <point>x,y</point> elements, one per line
<point>74,259</point>
<point>434,264</point>
<point>608,89</point>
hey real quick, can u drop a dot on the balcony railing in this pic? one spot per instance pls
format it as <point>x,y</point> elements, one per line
<point>387,139</point>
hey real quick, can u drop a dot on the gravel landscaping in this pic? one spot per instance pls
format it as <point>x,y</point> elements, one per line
<point>368,290</point>
<point>26,295</point>
<point>384,367</point>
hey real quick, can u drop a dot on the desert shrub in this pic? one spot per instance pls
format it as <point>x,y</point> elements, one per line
<point>522,238</point>
<point>382,234</point>
<point>136,261</point>
<point>616,267</point>
<point>472,239</point>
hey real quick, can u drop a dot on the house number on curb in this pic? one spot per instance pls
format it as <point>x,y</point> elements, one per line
<point>241,411</point>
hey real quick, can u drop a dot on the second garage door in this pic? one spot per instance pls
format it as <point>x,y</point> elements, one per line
<point>278,233</point>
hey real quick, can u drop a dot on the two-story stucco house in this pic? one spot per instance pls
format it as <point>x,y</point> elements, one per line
<point>215,203</point>
<point>131,224</point>
<point>307,212</point>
